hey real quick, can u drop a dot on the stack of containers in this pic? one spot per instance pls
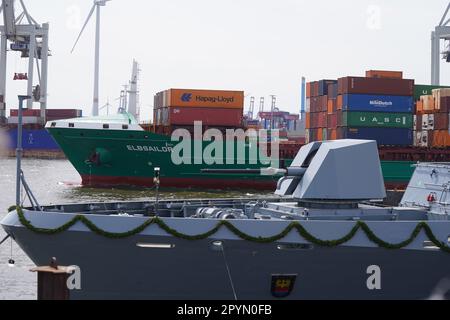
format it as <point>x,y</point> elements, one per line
<point>321,110</point>
<point>377,107</point>
<point>182,107</point>
<point>431,121</point>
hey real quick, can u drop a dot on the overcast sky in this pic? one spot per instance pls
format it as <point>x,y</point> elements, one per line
<point>262,47</point>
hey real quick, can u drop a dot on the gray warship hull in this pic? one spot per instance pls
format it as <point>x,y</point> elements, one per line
<point>186,269</point>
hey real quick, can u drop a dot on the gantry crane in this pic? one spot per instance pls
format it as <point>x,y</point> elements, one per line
<point>31,39</point>
<point>251,109</point>
<point>441,32</point>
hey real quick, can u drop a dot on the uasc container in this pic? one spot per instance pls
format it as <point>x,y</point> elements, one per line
<point>377,120</point>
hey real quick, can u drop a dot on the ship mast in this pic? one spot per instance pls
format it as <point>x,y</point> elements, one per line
<point>133,93</point>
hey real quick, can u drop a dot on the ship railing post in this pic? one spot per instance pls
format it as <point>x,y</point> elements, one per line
<point>19,149</point>
<point>156,181</point>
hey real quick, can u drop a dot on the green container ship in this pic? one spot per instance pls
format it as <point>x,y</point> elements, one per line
<point>117,151</point>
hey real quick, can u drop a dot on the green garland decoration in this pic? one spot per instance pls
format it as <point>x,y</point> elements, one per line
<point>293,226</point>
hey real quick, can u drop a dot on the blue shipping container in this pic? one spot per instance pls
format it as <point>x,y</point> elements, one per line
<point>377,103</point>
<point>33,140</point>
<point>383,136</point>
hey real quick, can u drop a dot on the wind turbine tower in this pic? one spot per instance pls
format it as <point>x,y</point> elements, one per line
<point>96,7</point>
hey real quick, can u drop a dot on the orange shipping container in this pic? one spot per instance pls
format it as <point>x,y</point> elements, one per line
<point>319,135</point>
<point>384,74</point>
<point>205,99</point>
<point>441,138</point>
<point>419,107</point>
<point>330,106</point>
<point>428,103</point>
<point>339,102</point>
<point>308,121</point>
<point>308,89</point>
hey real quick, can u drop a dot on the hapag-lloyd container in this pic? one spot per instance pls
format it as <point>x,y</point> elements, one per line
<point>204,99</point>
<point>385,137</point>
<point>377,120</point>
<point>377,103</point>
<point>381,86</point>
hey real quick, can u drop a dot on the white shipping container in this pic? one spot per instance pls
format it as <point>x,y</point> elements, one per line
<point>308,104</point>
<point>25,120</point>
<point>421,139</point>
<point>430,122</point>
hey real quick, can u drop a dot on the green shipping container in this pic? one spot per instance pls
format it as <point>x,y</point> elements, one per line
<point>377,120</point>
<point>425,90</point>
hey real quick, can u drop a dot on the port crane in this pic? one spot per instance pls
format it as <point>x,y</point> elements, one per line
<point>441,32</point>
<point>30,38</point>
<point>251,109</point>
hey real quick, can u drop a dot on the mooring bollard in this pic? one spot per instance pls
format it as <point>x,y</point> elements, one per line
<point>52,281</point>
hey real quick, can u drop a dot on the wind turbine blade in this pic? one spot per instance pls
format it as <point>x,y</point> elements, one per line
<point>444,16</point>
<point>84,26</point>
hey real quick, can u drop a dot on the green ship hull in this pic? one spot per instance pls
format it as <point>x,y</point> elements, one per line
<point>128,158</point>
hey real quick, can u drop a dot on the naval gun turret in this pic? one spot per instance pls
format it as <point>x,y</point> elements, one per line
<point>341,170</point>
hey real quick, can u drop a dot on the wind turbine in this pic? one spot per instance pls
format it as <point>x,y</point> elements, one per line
<point>96,6</point>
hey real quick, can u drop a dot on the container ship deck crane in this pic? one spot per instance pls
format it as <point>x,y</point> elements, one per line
<point>31,39</point>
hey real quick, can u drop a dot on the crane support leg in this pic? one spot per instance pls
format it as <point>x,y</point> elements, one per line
<point>44,74</point>
<point>32,53</point>
<point>435,59</point>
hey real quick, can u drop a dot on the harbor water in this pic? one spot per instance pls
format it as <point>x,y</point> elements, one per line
<point>56,181</point>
